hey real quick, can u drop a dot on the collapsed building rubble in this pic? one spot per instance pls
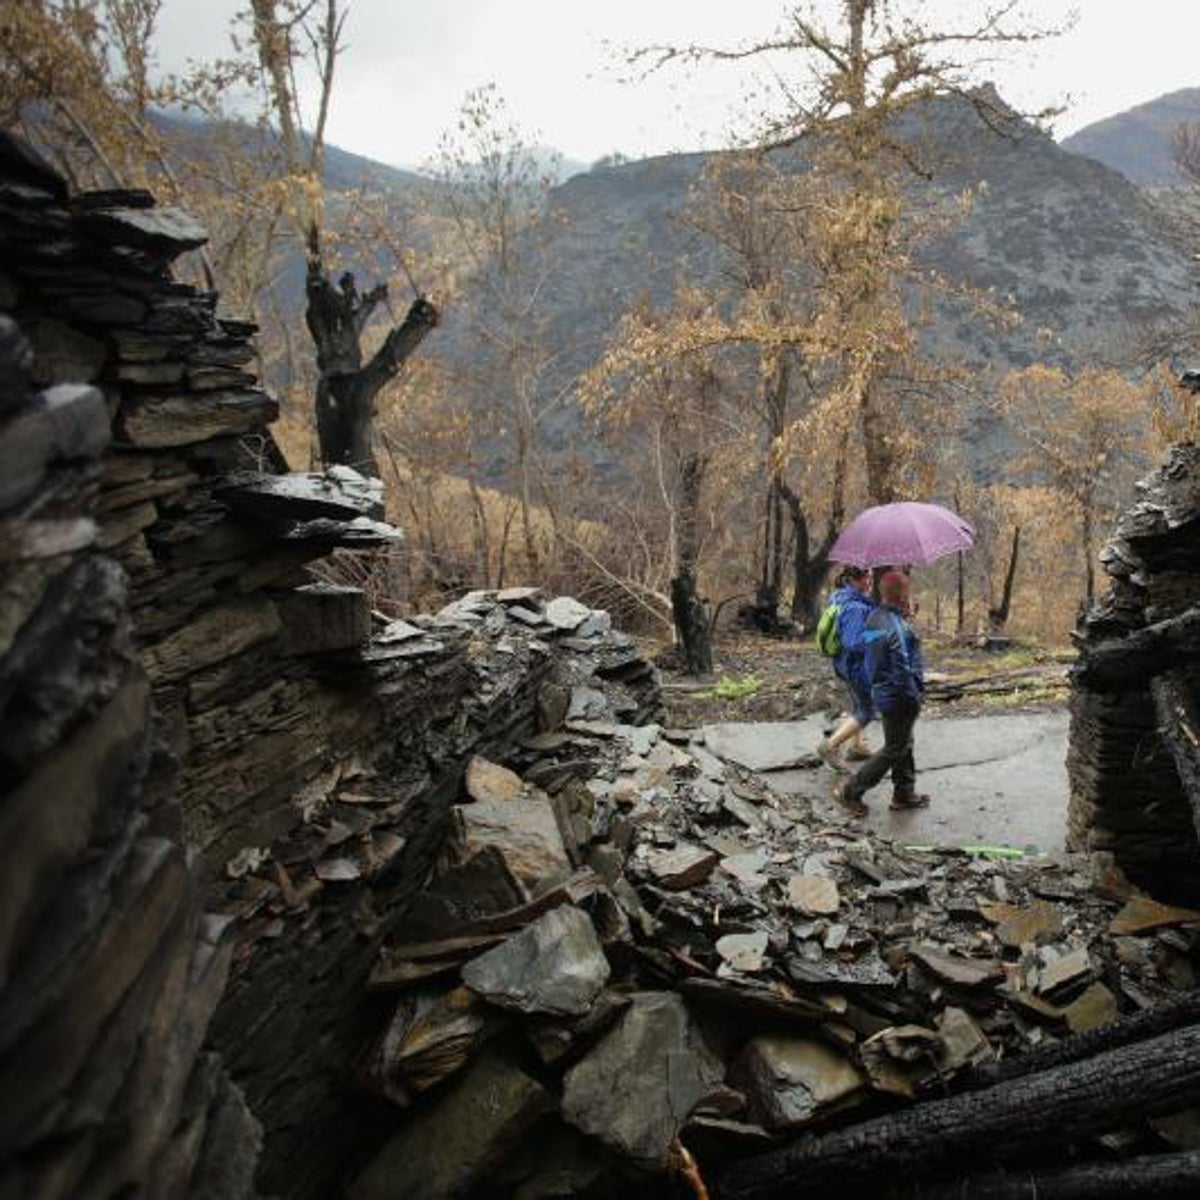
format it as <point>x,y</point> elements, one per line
<point>653,958</point>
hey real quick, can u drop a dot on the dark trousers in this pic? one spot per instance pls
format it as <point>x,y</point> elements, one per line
<point>895,755</point>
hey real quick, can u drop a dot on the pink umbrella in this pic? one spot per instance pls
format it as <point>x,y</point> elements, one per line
<point>898,534</point>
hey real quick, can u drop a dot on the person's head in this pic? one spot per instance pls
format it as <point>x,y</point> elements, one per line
<point>895,588</point>
<point>855,577</point>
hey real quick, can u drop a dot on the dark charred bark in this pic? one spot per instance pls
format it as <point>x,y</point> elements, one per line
<point>998,616</point>
<point>688,609</point>
<point>1120,664</point>
<point>1009,1123</point>
<point>346,386</point>
<point>1179,727</point>
<point>1149,1176</point>
<point>1125,1031</point>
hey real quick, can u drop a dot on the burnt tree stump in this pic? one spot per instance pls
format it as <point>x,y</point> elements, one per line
<point>337,315</point>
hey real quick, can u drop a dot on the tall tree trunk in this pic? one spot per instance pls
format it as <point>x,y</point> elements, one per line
<point>881,488</point>
<point>689,611</point>
<point>998,617</point>
<point>532,564</point>
<point>346,387</point>
<point>1088,557</point>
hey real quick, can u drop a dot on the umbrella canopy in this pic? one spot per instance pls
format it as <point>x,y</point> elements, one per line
<point>898,534</point>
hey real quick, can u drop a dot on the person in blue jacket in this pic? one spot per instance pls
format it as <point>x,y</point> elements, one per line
<point>897,673</point>
<point>854,604</point>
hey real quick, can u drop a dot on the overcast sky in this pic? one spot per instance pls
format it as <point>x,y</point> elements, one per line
<point>407,66</point>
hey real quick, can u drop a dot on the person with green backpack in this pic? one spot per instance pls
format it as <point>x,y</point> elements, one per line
<point>840,638</point>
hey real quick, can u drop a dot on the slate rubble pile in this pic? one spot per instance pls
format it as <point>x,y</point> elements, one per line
<point>655,961</point>
<point>1126,791</point>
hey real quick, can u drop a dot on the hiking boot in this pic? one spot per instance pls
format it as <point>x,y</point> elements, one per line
<point>903,803</point>
<point>858,754</point>
<point>852,804</point>
<point>829,757</point>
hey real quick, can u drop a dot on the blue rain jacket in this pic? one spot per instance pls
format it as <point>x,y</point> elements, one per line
<point>894,662</point>
<point>853,610</point>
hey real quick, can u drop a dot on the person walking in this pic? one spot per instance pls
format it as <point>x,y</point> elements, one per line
<point>897,673</point>
<point>853,604</point>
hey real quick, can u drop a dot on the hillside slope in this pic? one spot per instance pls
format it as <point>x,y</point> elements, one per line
<point>1138,142</point>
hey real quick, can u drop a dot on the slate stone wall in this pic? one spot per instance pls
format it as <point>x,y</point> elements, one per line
<point>273,756</point>
<point>1126,797</point>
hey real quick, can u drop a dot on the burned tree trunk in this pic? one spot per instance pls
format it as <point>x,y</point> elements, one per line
<point>1007,1123</point>
<point>998,616</point>
<point>687,607</point>
<point>346,387</point>
<point>1120,664</point>
<point>1151,1176</point>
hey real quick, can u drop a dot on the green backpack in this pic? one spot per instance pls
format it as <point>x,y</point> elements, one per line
<point>829,641</point>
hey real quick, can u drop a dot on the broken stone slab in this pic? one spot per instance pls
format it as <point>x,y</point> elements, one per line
<point>159,422</point>
<point>461,1140</point>
<point>1027,925</point>
<point>163,232</point>
<point>587,704</point>
<point>1065,973</point>
<point>1094,1008</point>
<point>790,1080</point>
<point>362,531</point>
<point>959,972</point>
<point>762,746</point>
<point>556,966</point>
<point>963,1043</point>
<point>556,1039</point>
<point>747,868</point>
<point>565,613</point>
<point>432,1034</point>
<point>900,1059</point>
<point>397,631</point>
<point>681,868</point>
<point>639,1084</point>
<point>597,624</point>
<point>338,493</point>
<point>1143,915</point>
<point>526,596</point>
<point>488,782</point>
<point>525,831</point>
<point>743,951</point>
<point>816,895</point>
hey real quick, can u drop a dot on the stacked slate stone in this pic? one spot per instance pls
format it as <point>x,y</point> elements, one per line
<point>109,971</point>
<point>268,699</point>
<point>1126,793</point>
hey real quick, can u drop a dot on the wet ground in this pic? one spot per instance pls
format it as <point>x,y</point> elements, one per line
<point>996,780</point>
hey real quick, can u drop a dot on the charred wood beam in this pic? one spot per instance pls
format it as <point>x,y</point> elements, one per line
<point>1008,1123</point>
<point>1126,1031</point>
<point>1151,1176</point>
<point>1124,663</point>
<point>1179,726</point>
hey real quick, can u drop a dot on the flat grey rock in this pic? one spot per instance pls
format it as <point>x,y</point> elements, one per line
<point>555,966</point>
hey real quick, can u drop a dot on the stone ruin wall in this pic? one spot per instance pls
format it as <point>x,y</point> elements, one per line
<point>1126,795</point>
<point>242,786</point>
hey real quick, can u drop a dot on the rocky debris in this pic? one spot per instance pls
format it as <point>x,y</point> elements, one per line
<point>763,973</point>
